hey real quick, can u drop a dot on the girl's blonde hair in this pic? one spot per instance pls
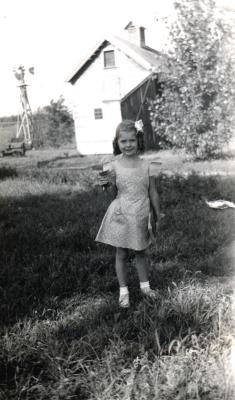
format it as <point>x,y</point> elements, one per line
<point>129,126</point>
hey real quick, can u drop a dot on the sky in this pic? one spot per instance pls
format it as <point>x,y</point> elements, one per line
<point>53,36</point>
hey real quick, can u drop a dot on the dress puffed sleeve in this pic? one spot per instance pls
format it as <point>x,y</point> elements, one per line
<point>154,168</point>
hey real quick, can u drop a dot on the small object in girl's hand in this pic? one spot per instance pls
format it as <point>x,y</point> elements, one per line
<point>103,173</point>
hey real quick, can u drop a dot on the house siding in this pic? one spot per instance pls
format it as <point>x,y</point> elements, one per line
<point>100,87</point>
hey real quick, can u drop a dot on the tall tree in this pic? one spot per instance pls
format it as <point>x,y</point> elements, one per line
<point>196,107</point>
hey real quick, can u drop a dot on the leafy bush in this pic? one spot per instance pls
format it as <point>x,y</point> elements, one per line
<point>195,108</point>
<point>53,125</point>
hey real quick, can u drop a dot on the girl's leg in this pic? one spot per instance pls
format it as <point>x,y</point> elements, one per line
<point>143,273</point>
<point>142,265</point>
<point>121,271</point>
<point>120,266</point>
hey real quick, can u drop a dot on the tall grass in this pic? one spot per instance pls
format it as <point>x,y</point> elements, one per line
<point>7,132</point>
<point>62,333</point>
<point>87,349</point>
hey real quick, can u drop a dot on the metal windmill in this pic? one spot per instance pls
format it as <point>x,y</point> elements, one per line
<point>25,118</point>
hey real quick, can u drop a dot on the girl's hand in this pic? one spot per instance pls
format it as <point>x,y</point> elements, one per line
<point>155,223</point>
<point>157,226</point>
<point>159,218</point>
<point>103,181</point>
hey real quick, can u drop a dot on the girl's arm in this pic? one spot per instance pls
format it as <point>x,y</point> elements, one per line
<point>154,198</point>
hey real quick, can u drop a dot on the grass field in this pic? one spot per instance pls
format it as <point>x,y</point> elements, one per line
<point>7,132</point>
<point>62,333</point>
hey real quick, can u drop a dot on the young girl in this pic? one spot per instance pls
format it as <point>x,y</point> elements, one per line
<point>125,224</point>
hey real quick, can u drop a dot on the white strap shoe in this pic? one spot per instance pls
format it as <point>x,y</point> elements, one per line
<point>124,301</point>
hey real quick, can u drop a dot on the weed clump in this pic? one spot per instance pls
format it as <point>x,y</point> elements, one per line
<point>7,172</point>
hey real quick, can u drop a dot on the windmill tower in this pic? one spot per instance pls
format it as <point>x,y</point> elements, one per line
<point>25,118</point>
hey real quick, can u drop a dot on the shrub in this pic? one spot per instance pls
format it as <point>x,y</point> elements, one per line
<point>53,125</point>
<point>195,109</point>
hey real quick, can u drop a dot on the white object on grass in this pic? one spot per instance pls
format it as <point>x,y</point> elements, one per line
<point>220,204</point>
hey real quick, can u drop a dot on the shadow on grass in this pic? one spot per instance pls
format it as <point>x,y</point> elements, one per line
<point>7,172</point>
<point>48,248</point>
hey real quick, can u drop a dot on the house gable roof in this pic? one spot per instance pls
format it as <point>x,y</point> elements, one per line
<point>146,57</point>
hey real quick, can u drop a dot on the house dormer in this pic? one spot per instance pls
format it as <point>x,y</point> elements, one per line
<point>135,34</point>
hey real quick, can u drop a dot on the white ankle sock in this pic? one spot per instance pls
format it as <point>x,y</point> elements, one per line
<point>124,290</point>
<point>144,285</point>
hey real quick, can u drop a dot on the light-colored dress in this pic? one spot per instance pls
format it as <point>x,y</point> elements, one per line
<point>125,223</point>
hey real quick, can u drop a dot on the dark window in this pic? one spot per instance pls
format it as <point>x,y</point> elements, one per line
<point>109,59</point>
<point>98,113</point>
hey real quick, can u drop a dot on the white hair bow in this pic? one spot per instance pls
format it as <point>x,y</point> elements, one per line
<point>139,125</point>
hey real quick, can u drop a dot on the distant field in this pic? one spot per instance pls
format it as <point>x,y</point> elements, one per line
<point>7,131</point>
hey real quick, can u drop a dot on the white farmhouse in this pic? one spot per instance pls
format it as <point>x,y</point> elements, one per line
<point>111,84</point>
